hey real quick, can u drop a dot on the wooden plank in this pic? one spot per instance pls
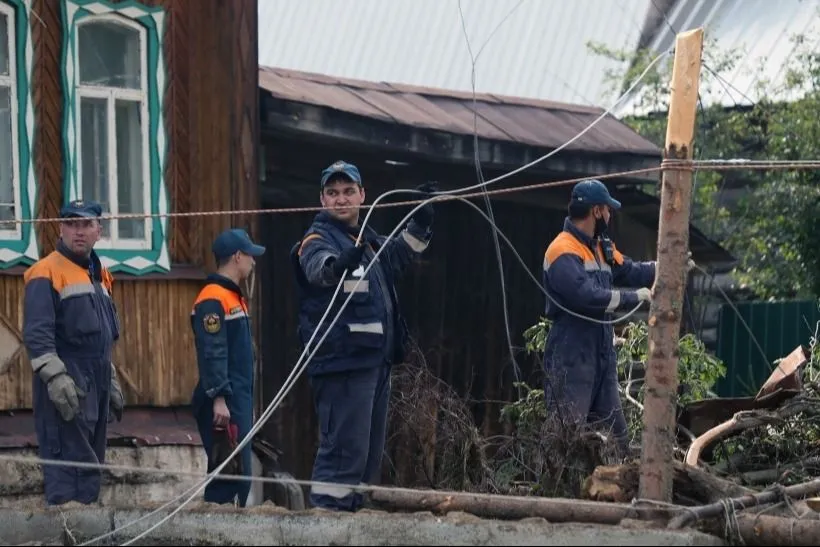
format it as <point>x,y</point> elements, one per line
<point>667,305</point>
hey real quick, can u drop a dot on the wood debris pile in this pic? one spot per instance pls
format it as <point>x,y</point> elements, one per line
<point>748,465</point>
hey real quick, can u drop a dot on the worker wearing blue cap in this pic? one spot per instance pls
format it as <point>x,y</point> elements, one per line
<point>70,325</point>
<point>350,371</point>
<point>222,401</point>
<point>582,267</point>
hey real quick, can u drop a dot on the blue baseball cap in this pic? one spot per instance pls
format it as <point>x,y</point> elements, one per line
<point>235,240</point>
<point>82,209</point>
<point>593,192</point>
<point>342,168</point>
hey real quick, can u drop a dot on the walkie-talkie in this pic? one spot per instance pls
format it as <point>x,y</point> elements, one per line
<point>606,247</point>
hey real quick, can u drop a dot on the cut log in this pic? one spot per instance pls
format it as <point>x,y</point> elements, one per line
<point>619,483</point>
<point>768,530</point>
<point>517,507</point>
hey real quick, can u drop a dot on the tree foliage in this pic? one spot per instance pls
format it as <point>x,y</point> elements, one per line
<point>772,228</point>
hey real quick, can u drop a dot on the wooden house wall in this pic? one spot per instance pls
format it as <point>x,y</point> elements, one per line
<point>211,116</point>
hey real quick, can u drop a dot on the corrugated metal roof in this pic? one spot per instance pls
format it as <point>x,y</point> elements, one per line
<point>536,123</point>
<point>540,51</point>
<point>761,32</point>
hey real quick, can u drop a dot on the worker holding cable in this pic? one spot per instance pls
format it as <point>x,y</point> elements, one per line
<point>222,401</point>
<point>582,267</point>
<point>70,325</point>
<point>350,371</point>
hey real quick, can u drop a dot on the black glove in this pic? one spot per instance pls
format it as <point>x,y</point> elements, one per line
<point>349,259</point>
<point>424,215</point>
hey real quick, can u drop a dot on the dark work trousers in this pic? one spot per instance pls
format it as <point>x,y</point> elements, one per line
<point>581,377</point>
<point>224,491</point>
<point>83,439</point>
<point>352,410</point>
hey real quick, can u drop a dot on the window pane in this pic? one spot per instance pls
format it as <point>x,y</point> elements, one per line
<point>109,55</point>
<point>130,184</point>
<point>4,45</point>
<point>94,153</point>
<point>6,165</point>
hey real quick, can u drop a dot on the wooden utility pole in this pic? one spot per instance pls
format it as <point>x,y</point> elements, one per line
<point>665,312</point>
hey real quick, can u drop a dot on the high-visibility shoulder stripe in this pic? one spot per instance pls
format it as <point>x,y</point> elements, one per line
<point>310,237</point>
<point>566,243</point>
<point>63,273</point>
<point>616,254</point>
<point>226,297</point>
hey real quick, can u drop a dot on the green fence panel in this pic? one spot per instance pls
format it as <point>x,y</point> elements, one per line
<point>778,328</point>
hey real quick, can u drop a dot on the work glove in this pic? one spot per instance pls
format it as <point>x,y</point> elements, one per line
<point>116,402</point>
<point>644,295</point>
<point>62,390</point>
<point>424,215</point>
<point>349,259</point>
<point>225,441</point>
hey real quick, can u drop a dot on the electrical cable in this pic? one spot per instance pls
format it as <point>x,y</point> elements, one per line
<point>583,132</point>
<point>297,371</point>
<point>242,477</point>
<point>734,164</point>
<point>299,367</point>
<point>487,201</point>
<point>286,388</point>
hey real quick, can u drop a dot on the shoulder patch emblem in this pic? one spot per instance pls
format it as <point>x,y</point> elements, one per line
<point>212,323</point>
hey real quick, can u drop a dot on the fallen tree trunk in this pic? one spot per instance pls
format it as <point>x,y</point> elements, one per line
<point>691,486</point>
<point>766,476</point>
<point>694,514</point>
<point>769,530</point>
<point>518,507</point>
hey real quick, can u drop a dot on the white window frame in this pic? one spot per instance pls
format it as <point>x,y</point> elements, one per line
<point>111,94</point>
<point>10,81</point>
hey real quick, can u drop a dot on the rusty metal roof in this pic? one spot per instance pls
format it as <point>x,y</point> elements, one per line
<point>139,427</point>
<point>543,124</point>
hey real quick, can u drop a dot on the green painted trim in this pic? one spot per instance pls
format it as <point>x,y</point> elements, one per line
<point>152,19</point>
<point>23,251</point>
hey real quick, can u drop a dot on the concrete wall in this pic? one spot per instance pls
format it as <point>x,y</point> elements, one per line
<point>22,483</point>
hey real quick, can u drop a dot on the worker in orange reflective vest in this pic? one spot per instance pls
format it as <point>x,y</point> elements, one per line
<point>70,325</point>
<point>222,401</point>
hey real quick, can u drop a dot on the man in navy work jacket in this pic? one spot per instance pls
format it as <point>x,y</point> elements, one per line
<point>70,325</point>
<point>223,397</point>
<point>350,372</point>
<point>582,267</point>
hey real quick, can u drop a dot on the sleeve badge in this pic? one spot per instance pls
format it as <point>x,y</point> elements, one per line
<point>211,323</point>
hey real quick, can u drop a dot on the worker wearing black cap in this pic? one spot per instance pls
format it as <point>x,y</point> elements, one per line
<point>69,328</point>
<point>222,401</point>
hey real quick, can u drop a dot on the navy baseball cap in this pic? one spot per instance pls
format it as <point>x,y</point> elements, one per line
<point>593,192</point>
<point>234,240</point>
<point>341,168</point>
<point>81,209</point>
